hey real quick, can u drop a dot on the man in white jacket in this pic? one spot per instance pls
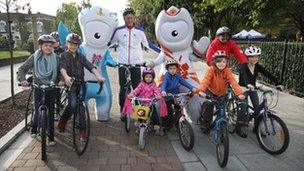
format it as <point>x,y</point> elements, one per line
<point>129,39</point>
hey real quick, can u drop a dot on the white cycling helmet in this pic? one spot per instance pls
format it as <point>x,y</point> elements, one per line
<point>222,30</point>
<point>253,51</point>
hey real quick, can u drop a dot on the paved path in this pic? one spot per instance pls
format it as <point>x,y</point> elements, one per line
<point>110,148</point>
<point>5,83</point>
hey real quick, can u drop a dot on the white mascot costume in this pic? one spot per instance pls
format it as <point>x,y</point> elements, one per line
<point>97,26</point>
<point>174,32</point>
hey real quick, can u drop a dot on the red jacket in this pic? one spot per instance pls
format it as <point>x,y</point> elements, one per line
<point>229,47</point>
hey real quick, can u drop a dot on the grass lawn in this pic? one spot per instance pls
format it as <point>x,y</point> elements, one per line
<point>18,53</point>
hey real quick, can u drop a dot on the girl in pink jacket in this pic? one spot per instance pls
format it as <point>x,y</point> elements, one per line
<point>148,89</point>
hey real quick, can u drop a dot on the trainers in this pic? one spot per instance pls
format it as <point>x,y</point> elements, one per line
<point>61,125</point>
<point>51,143</point>
<point>159,131</point>
<point>34,132</point>
<point>239,132</point>
<point>56,117</point>
<point>81,135</point>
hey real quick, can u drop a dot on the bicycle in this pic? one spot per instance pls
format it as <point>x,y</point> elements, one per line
<point>81,118</point>
<point>185,131</point>
<point>142,114</point>
<point>128,85</point>
<point>272,133</point>
<point>43,110</point>
<point>219,129</point>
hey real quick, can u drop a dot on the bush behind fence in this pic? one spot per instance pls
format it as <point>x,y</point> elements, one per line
<point>285,60</point>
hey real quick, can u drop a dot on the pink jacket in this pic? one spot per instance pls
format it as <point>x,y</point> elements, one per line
<point>144,90</point>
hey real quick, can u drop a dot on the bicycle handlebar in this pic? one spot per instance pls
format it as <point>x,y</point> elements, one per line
<point>179,94</point>
<point>131,65</point>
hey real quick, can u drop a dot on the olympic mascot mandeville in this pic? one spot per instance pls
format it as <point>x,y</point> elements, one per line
<point>174,32</point>
<point>97,26</point>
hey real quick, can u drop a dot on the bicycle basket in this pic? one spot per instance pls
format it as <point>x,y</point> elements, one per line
<point>141,112</point>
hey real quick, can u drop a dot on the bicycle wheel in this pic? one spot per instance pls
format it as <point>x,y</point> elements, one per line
<point>128,124</point>
<point>29,110</point>
<point>81,129</point>
<point>62,103</point>
<point>231,111</point>
<point>276,140</point>
<point>43,134</point>
<point>186,135</point>
<point>141,138</point>
<point>222,145</point>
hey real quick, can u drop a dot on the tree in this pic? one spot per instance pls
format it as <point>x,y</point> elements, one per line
<point>68,14</point>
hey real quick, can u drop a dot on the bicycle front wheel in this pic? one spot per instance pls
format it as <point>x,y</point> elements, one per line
<point>128,124</point>
<point>81,129</point>
<point>186,134</point>
<point>231,111</point>
<point>272,134</point>
<point>141,138</point>
<point>43,134</point>
<point>222,145</point>
<point>29,110</point>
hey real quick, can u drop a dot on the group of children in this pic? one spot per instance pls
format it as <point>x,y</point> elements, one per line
<point>216,80</point>
<point>49,67</point>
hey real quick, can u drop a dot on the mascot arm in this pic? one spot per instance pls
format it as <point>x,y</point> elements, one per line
<point>160,59</point>
<point>200,47</point>
<point>109,59</point>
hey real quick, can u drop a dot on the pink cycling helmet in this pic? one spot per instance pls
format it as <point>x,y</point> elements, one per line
<point>219,54</point>
<point>148,70</point>
<point>45,38</point>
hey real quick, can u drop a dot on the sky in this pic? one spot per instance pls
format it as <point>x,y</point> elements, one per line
<point>50,6</point>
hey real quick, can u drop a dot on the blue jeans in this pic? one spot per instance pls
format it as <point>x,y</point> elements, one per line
<point>50,103</point>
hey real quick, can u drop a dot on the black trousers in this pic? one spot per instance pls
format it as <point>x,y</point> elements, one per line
<point>135,80</point>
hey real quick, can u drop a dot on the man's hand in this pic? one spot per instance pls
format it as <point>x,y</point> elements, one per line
<point>61,83</point>
<point>100,79</point>
<point>164,93</point>
<point>68,81</point>
<point>24,83</point>
<point>241,97</point>
<point>251,87</point>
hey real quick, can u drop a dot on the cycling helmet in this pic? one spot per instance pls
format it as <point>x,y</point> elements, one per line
<point>171,62</point>
<point>148,70</point>
<point>45,38</point>
<point>219,54</point>
<point>55,35</point>
<point>222,30</point>
<point>253,51</point>
<point>73,38</point>
<point>128,11</point>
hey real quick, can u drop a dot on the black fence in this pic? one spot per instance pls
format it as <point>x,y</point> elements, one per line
<point>285,60</point>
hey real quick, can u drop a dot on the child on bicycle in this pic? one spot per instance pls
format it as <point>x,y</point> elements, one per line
<point>72,64</point>
<point>148,89</point>
<point>250,71</point>
<point>172,81</point>
<point>214,84</point>
<point>44,64</point>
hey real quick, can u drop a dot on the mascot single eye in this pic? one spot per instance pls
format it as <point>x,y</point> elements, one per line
<point>174,33</point>
<point>97,35</point>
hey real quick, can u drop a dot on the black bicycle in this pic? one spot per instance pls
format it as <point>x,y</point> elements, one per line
<point>81,118</point>
<point>128,88</point>
<point>271,131</point>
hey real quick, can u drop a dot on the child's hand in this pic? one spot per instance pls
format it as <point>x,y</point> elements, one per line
<point>61,83</point>
<point>241,97</point>
<point>164,93</point>
<point>68,81</point>
<point>202,94</point>
<point>24,83</point>
<point>194,90</point>
<point>130,96</point>
<point>100,79</point>
<point>251,87</point>
<point>280,87</point>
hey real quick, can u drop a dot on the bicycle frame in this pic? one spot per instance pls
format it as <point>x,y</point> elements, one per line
<point>220,117</point>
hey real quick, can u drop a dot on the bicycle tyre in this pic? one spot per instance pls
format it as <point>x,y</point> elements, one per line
<point>223,139</point>
<point>77,148</point>
<point>128,124</point>
<point>141,138</point>
<point>43,134</point>
<point>284,134</point>
<point>29,109</point>
<point>231,111</point>
<point>185,124</point>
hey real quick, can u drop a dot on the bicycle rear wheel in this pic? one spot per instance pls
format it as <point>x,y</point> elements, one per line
<point>29,110</point>
<point>222,145</point>
<point>43,134</point>
<point>142,138</point>
<point>186,134</point>
<point>81,129</point>
<point>231,111</point>
<point>276,140</point>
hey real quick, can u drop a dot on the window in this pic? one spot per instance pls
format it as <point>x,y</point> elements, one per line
<point>2,26</point>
